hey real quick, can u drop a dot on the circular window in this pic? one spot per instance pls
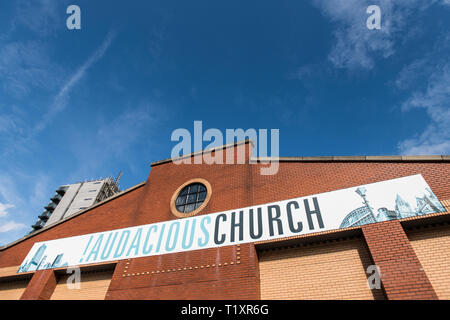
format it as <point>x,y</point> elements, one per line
<point>190,198</point>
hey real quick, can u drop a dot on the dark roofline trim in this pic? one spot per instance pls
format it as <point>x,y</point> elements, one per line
<point>193,154</point>
<point>425,158</point>
<point>72,216</point>
<point>397,158</point>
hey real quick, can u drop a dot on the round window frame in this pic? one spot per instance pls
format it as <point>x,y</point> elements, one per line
<point>173,207</point>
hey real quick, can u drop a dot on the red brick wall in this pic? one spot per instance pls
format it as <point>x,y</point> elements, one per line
<point>219,273</point>
<point>297,179</point>
<point>402,275</point>
<point>389,247</point>
<point>233,186</point>
<point>41,286</point>
<point>233,278</point>
<point>210,274</point>
<point>334,269</point>
<point>431,243</point>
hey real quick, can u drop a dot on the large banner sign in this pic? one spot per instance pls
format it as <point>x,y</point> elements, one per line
<point>387,200</point>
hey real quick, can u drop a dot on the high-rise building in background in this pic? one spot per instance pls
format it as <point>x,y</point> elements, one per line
<point>72,198</point>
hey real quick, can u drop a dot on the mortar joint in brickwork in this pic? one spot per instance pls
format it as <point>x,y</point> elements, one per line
<point>182,269</point>
<point>433,225</point>
<point>308,244</point>
<point>195,267</point>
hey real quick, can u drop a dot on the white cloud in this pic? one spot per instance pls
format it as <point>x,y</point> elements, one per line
<point>428,80</point>
<point>23,196</point>
<point>10,226</point>
<point>409,74</point>
<point>39,16</point>
<point>4,207</point>
<point>6,226</point>
<point>10,123</point>
<point>34,70</point>
<point>61,99</point>
<point>9,191</point>
<point>41,191</point>
<point>355,46</point>
<point>26,65</point>
<point>126,127</point>
<point>435,99</point>
<point>111,140</point>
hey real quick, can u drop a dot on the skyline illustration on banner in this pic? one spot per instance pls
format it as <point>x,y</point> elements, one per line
<point>425,204</point>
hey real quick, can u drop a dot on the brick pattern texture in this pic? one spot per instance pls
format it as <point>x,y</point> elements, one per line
<point>298,179</point>
<point>93,286</point>
<point>233,186</point>
<point>13,290</point>
<point>446,204</point>
<point>41,286</point>
<point>402,274</point>
<point>330,270</point>
<point>8,271</point>
<point>218,273</point>
<point>432,247</point>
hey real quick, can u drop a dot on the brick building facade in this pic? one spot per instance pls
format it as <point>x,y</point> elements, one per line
<point>412,253</point>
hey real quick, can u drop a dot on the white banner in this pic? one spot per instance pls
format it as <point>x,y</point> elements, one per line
<point>381,201</point>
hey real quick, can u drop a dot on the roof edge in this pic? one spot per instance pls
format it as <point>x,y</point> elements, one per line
<point>193,154</point>
<point>424,158</point>
<point>395,158</point>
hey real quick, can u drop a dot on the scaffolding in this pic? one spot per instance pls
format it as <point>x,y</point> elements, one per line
<point>109,188</point>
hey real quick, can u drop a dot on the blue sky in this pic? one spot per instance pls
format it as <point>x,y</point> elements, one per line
<point>82,104</point>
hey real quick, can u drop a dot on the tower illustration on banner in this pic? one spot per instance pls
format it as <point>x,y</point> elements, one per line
<point>38,261</point>
<point>428,203</point>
